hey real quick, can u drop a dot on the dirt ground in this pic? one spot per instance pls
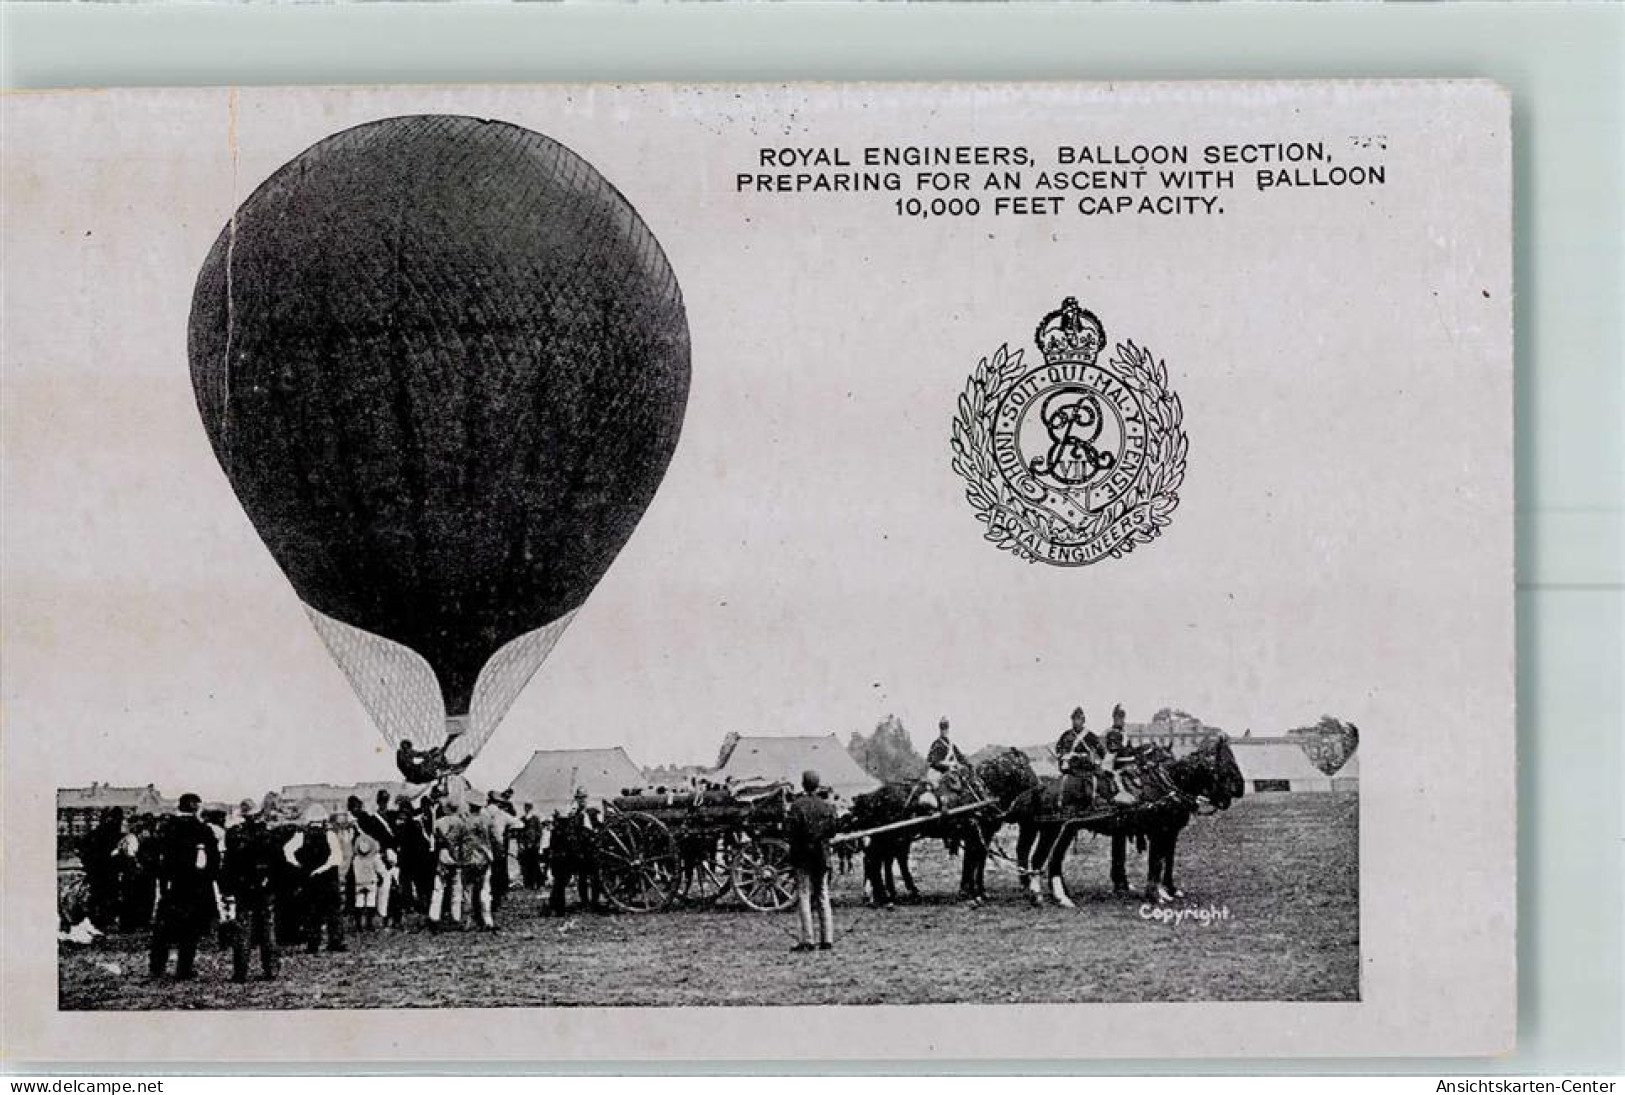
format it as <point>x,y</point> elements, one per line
<point>1277,874</point>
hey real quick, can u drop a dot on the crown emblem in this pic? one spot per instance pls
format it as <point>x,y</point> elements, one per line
<point>1070,334</point>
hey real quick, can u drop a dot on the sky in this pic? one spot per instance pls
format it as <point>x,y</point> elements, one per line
<point>809,564</point>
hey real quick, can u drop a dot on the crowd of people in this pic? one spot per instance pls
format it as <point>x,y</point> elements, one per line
<point>275,875</point>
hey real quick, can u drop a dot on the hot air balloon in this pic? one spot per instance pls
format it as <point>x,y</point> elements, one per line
<point>444,365</point>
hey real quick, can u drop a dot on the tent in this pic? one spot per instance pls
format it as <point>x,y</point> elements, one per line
<point>776,758</point>
<point>549,779</point>
<point>1277,764</point>
<point>1347,778</point>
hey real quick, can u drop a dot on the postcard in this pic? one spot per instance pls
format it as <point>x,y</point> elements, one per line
<point>758,572</point>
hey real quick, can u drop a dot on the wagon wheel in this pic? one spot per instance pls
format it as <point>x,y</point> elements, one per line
<point>704,873</point>
<point>762,876</point>
<point>638,865</point>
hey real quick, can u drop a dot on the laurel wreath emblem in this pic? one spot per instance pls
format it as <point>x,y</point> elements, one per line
<point>1024,529</point>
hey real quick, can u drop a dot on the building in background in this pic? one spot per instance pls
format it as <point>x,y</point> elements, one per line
<point>79,808</point>
<point>334,796</point>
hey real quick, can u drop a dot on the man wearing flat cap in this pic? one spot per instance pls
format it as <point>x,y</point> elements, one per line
<point>811,823</point>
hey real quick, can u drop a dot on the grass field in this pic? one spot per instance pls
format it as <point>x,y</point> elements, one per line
<point>1285,867</point>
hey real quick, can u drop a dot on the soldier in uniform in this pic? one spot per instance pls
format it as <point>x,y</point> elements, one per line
<point>1077,754</point>
<point>812,821</point>
<point>250,875</point>
<point>943,761</point>
<point>188,863</point>
<point>1119,761</point>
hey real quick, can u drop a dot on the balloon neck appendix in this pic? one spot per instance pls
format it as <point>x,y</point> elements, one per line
<point>444,365</point>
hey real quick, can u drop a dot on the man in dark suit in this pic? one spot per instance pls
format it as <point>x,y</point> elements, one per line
<point>415,849</point>
<point>188,863</point>
<point>252,867</point>
<point>571,855</point>
<point>375,824</point>
<point>811,823</point>
<point>530,848</point>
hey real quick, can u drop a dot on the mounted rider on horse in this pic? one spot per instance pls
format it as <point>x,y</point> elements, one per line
<point>1111,771</point>
<point>950,780</point>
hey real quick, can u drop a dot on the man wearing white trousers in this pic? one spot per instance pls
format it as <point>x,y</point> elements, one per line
<point>462,860</point>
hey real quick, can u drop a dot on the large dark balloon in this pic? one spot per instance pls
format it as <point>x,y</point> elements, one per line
<point>444,364</point>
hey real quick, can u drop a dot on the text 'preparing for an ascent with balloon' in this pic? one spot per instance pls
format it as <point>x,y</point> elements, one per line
<point>1200,179</point>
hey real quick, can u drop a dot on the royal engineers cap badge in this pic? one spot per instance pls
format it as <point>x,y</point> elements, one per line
<point>1075,460</point>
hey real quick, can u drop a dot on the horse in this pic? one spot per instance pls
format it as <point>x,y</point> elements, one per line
<point>1208,775</point>
<point>885,855</point>
<point>1006,777</point>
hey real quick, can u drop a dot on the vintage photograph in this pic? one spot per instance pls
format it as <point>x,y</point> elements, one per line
<point>726,547</point>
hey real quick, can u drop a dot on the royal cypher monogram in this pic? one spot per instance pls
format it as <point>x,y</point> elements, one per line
<point>1076,460</point>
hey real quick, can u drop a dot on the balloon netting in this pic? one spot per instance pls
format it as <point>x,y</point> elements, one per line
<point>399,690</point>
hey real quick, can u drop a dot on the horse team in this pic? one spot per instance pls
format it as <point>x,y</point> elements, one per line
<point>970,807</point>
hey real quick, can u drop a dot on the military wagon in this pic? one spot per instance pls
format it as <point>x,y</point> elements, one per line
<point>696,847</point>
